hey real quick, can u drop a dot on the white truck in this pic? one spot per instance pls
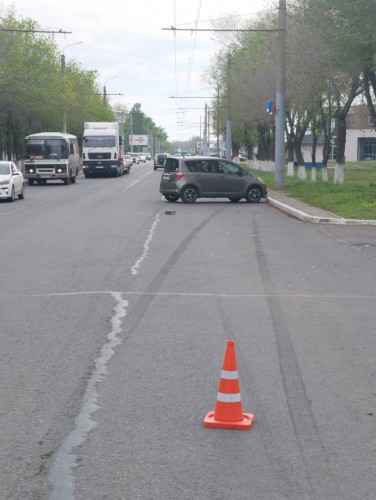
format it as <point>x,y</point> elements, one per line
<point>102,149</point>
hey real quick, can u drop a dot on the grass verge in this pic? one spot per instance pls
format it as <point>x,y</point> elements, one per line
<point>355,199</point>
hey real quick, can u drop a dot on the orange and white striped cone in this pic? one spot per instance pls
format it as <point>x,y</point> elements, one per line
<point>228,412</point>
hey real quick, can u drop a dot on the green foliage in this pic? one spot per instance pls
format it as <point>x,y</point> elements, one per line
<point>39,92</point>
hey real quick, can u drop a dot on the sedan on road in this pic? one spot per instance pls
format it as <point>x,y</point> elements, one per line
<point>127,163</point>
<point>12,181</point>
<point>134,157</point>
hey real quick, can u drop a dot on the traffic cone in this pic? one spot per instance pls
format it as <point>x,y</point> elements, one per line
<point>228,412</point>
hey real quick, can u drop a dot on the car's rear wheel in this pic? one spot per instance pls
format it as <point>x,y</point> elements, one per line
<point>189,194</point>
<point>254,194</point>
<point>172,197</point>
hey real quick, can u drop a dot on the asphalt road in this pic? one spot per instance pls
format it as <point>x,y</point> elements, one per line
<point>114,319</point>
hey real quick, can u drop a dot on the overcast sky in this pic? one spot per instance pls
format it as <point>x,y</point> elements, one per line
<point>124,41</point>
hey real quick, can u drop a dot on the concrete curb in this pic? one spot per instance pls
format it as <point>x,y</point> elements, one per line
<point>298,214</point>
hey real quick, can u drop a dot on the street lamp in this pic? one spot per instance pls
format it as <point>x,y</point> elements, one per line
<point>228,121</point>
<point>104,88</point>
<point>62,66</point>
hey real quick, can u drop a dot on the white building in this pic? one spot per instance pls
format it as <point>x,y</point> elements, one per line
<point>360,139</point>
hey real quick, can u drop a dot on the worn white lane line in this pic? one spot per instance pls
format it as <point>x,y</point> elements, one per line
<point>136,181</point>
<point>136,265</point>
<point>61,475</point>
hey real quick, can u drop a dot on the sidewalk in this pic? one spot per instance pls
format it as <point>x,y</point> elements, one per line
<point>306,213</point>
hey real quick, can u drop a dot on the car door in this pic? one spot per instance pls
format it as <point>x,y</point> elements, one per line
<point>17,178</point>
<point>231,181</point>
<point>202,174</point>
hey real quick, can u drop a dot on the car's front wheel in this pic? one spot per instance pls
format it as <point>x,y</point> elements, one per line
<point>189,194</point>
<point>172,197</point>
<point>12,194</point>
<point>254,194</point>
<point>21,195</point>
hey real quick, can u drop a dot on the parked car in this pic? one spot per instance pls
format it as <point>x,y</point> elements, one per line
<point>134,157</point>
<point>160,160</point>
<point>243,157</point>
<point>12,182</point>
<point>127,163</point>
<point>208,177</point>
<point>141,157</point>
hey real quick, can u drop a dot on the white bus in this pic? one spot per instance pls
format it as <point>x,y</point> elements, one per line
<point>51,156</point>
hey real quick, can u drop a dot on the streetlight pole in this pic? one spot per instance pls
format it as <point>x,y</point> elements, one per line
<point>62,67</point>
<point>218,119</point>
<point>280,120</point>
<point>228,121</point>
<point>104,88</point>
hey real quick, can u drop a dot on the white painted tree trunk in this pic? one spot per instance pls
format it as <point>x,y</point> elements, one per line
<point>302,174</point>
<point>290,169</point>
<point>324,174</point>
<point>313,174</point>
<point>339,174</point>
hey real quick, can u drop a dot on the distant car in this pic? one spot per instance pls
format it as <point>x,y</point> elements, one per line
<point>134,157</point>
<point>148,156</point>
<point>127,163</point>
<point>208,177</point>
<point>141,157</point>
<point>160,160</point>
<point>12,182</point>
<point>243,157</point>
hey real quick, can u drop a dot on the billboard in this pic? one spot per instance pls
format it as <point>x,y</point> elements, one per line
<point>138,140</point>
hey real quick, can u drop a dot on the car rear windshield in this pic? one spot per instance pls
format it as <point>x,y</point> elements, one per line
<point>172,165</point>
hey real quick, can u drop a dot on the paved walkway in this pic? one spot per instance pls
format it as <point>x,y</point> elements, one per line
<point>304,212</point>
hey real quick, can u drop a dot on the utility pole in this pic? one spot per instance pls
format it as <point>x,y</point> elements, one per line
<point>228,122</point>
<point>280,120</point>
<point>131,132</point>
<point>205,148</point>
<point>218,118</point>
<point>63,76</point>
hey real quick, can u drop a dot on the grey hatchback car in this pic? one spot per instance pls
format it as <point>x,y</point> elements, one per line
<point>208,177</point>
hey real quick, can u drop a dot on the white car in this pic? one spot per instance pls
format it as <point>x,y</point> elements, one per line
<point>134,157</point>
<point>141,157</point>
<point>12,182</point>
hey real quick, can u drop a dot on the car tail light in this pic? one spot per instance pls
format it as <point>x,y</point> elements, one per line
<point>178,176</point>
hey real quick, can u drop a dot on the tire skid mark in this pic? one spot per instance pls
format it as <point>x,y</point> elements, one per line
<point>151,291</point>
<point>322,481</point>
<point>61,474</point>
<point>287,481</point>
